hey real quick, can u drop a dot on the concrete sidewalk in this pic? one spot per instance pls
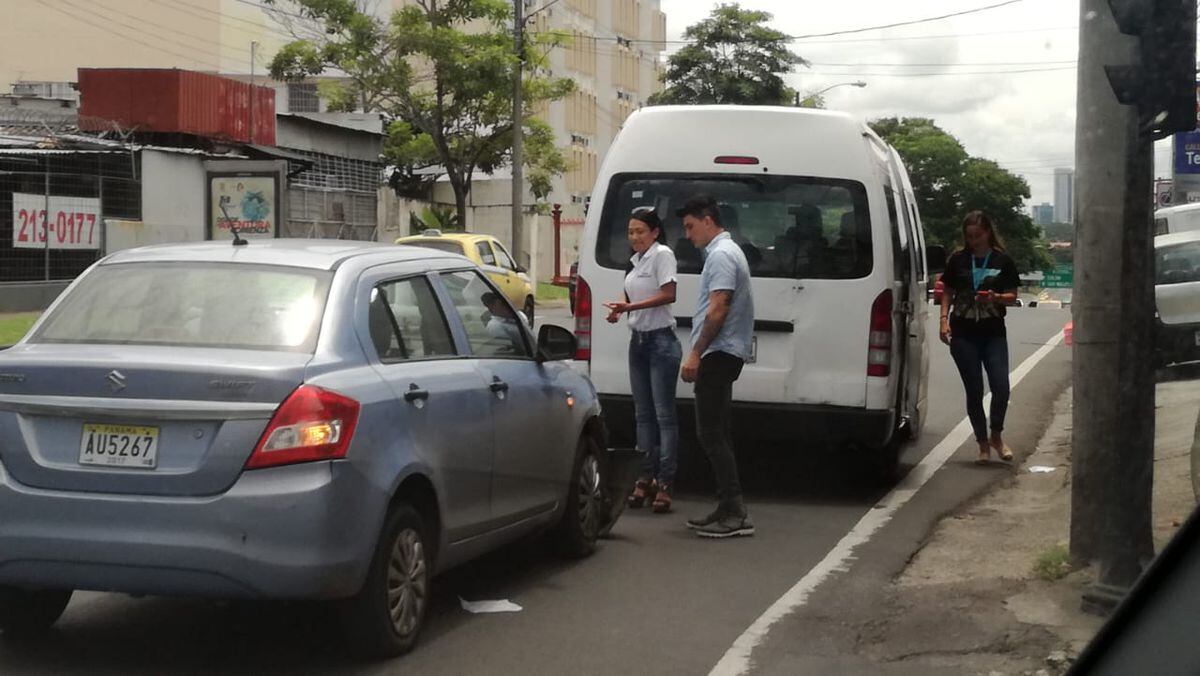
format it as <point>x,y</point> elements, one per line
<point>972,599</point>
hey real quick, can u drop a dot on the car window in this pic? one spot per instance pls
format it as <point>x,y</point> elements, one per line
<point>788,226</point>
<point>494,329</point>
<point>485,253</point>
<point>1178,263</point>
<point>406,321</point>
<point>502,254</point>
<point>243,306</point>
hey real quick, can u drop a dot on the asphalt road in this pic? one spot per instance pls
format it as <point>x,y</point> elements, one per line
<point>653,599</point>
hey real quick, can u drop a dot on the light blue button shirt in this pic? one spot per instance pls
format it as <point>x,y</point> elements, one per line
<point>726,269</point>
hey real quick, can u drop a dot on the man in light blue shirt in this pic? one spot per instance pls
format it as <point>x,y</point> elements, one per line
<point>722,334</point>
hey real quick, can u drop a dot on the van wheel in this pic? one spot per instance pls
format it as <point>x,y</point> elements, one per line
<point>385,617</point>
<point>529,308</point>
<point>583,516</point>
<point>25,612</point>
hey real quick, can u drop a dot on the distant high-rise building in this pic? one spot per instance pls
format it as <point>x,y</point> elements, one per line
<point>1043,214</point>
<point>1064,195</point>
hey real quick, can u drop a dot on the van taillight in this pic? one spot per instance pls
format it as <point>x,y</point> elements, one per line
<point>583,320</point>
<point>879,350</point>
<point>735,159</point>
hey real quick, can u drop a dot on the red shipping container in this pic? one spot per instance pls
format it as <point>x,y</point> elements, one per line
<point>173,100</point>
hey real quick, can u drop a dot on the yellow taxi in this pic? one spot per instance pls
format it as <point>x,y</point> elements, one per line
<point>489,254</point>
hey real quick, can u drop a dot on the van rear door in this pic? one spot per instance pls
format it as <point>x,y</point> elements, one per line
<point>810,248</point>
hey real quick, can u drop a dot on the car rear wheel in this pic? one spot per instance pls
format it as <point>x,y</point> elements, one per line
<point>386,616</point>
<point>529,308</point>
<point>24,611</point>
<point>583,517</point>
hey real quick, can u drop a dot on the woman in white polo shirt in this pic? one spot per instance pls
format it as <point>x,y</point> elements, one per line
<point>654,356</point>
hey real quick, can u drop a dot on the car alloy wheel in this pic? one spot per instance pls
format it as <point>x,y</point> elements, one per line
<point>589,498</point>
<point>407,582</point>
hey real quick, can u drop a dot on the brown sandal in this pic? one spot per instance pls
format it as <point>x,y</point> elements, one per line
<point>641,490</point>
<point>1006,453</point>
<point>662,500</point>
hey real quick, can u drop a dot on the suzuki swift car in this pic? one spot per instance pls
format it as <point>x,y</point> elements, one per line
<point>287,420</point>
<point>491,256</point>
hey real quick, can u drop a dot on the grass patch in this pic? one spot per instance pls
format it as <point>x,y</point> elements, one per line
<point>548,291</point>
<point>14,326</point>
<point>1053,564</point>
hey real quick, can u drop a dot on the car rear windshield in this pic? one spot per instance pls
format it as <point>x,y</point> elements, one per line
<point>788,226</point>
<point>256,307</point>
<point>449,246</point>
<point>1178,263</point>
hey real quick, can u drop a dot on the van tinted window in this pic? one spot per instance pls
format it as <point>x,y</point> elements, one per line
<point>1177,264</point>
<point>789,227</point>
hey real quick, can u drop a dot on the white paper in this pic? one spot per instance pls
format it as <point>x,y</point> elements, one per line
<point>1041,469</point>
<point>501,606</point>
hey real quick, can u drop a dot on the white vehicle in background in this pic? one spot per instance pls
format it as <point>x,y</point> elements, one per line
<point>826,215</point>
<point>1177,298</point>
<point>1181,218</point>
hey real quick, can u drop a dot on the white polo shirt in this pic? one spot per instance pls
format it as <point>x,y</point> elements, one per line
<point>651,270</point>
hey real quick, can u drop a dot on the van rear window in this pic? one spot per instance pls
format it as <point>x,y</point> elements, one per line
<point>788,226</point>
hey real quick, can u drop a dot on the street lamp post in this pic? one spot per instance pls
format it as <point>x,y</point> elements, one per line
<point>856,83</point>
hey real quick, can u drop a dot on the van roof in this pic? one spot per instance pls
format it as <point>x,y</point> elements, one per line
<point>1177,209</point>
<point>1176,238</point>
<point>689,138</point>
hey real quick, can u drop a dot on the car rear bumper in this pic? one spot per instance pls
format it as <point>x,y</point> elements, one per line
<point>812,426</point>
<point>284,532</point>
<point>1177,343</point>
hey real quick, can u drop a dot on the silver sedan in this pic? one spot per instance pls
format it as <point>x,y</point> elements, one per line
<point>288,420</point>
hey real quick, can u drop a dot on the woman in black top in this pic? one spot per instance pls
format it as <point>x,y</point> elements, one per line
<point>980,280</point>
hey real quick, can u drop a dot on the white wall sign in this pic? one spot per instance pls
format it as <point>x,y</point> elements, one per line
<point>73,222</point>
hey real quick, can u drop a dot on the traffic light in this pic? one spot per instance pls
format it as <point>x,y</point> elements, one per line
<point>1163,84</point>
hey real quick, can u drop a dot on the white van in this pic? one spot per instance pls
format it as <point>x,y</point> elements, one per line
<point>1181,218</point>
<point>825,212</point>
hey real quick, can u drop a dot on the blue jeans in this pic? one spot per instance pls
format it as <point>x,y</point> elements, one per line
<point>969,354</point>
<point>654,358</point>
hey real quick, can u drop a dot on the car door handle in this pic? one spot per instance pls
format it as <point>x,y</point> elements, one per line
<point>498,385</point>
<point>415,393</point>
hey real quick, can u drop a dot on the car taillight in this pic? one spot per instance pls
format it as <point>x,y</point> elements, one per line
<point>583,320</point>
<point>311,424</point>
<point>879,351</point>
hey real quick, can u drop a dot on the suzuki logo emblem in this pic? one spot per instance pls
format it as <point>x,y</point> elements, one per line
<point>116,380</point>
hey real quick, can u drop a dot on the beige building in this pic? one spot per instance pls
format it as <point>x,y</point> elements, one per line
<point>47,40</point>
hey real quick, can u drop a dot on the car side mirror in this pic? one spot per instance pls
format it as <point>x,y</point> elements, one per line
<point>935,258</point>
<point>520,269</point>
<point>555,343</point>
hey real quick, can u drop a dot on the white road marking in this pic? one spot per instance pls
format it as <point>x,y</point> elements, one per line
<point>737,659</point>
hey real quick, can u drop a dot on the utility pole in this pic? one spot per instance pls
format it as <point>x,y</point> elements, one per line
<point>1124,100</point>
<point>518,154</point>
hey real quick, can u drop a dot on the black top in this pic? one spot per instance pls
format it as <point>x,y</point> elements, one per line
<point>971,318</point>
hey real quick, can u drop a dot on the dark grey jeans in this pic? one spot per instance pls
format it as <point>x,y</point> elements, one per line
<point>714,421</point>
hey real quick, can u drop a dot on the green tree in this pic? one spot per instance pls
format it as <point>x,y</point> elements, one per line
<point>734,57</point>
<point>445,88</point>
<point>948,183</point>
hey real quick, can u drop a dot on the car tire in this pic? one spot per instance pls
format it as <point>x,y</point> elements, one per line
<point>583,517</point>
<point>386,616</point>
<point>529,308</point>
<point>26,612</point>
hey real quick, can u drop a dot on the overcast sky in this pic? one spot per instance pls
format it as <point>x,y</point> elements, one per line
<point>1025,121</point>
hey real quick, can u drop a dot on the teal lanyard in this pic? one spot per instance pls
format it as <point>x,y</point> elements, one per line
<point>975,273</point>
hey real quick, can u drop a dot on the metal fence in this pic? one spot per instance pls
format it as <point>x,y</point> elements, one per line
<point>52,208</point>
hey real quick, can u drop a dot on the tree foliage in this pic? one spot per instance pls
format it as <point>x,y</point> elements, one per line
<point>446,90</point>
<point>734,57</point>
<point>948,183</point>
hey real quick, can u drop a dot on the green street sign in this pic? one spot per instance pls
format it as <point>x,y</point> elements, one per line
<point>1062,277</point>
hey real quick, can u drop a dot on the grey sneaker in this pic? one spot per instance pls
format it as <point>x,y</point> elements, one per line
<point>726,527</point>
<point>700,522</point>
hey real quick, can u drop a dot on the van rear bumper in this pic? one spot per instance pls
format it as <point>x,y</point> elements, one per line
<point>815,426</point>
